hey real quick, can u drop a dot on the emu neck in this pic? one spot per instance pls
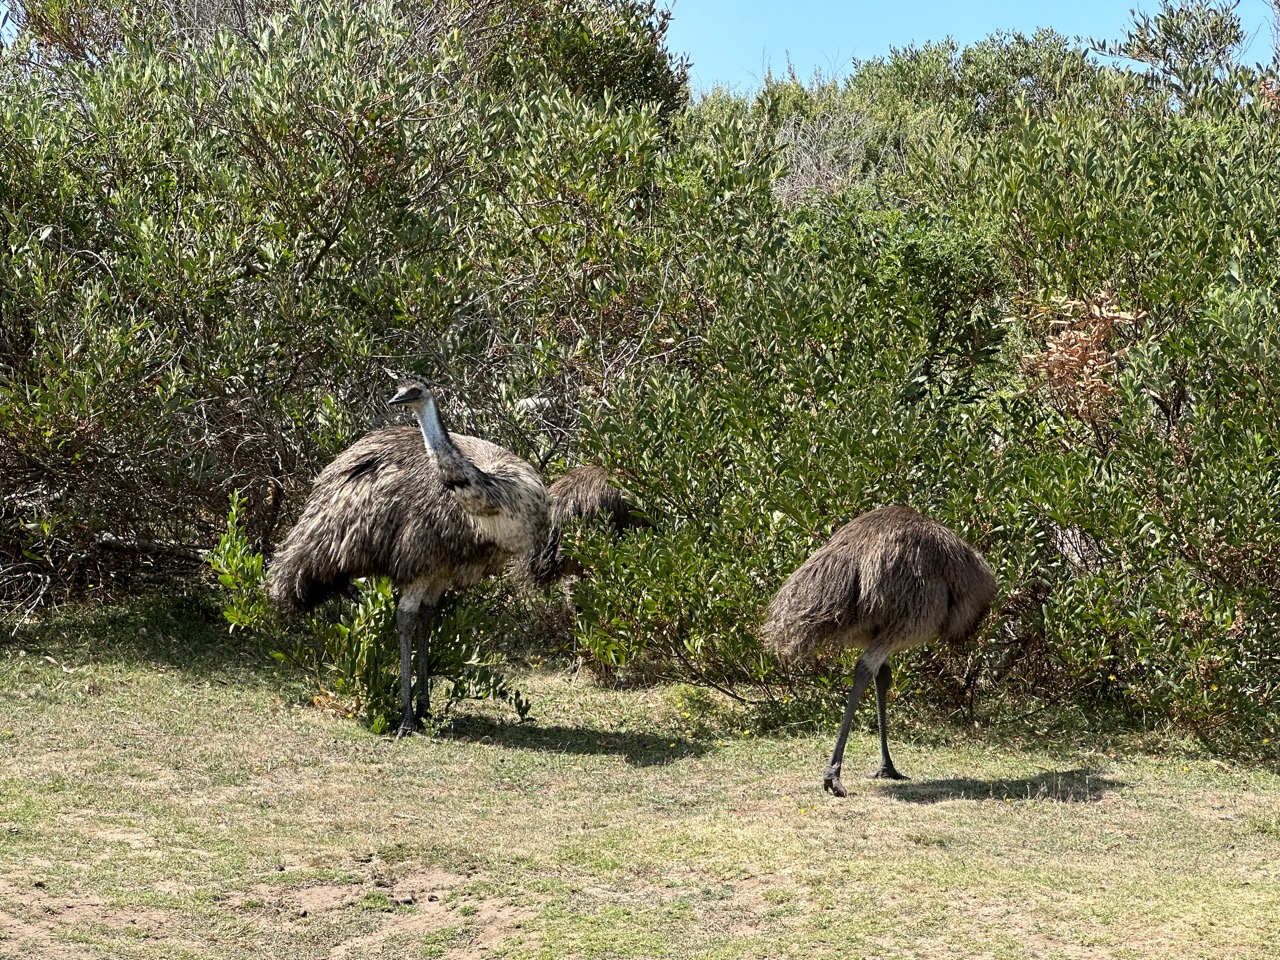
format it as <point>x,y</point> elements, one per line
<point>471,487</point>
<point>433,431</point>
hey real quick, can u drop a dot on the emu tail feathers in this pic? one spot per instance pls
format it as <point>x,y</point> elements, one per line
<point>298,585</point>
<point>546,564</point>
<point>792,634</point>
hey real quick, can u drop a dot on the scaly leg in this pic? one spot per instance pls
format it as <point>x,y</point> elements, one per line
<point>887,770</point>
<point>423,709</point>
<point>862,674</point>
<point>434,605</point>
<point>406,624</point>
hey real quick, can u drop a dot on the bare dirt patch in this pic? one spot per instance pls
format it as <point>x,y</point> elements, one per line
<point>482,925</point>
<point>495,924</point>
<point>413,927</point>
<point>322,897</point>
<point>34,919</point>
<point>410,905</point>
<point>422,885</point>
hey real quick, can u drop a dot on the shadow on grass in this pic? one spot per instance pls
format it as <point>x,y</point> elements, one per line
<point>638,749</point>
<point>1082,785</point>
<point>186,632</point>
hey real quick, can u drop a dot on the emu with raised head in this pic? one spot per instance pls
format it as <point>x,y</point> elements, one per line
<point>434,511</point>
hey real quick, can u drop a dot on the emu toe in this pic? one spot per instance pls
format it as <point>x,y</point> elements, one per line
<point>887,773</point>
<point>408,726</point>
<point>831,782</point>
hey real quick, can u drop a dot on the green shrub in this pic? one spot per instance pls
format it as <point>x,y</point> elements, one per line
<point>838,381</point>
<point>220,252</point>
<point>1060,352</point>
<point>350,646</point>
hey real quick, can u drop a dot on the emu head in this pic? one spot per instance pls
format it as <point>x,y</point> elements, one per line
<point>417,396</point>
<point>414,394</point>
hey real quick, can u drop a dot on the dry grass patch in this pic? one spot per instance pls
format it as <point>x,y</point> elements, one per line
<point>205,813</point>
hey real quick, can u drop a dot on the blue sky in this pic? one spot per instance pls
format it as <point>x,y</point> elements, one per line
<point>733,42</point>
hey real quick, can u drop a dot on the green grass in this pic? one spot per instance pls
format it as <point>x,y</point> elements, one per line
<point>171,794</point>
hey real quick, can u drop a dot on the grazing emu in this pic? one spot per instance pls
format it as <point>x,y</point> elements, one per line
<point>433,511</point>
<point>583,493</point>
<point>886,581</point>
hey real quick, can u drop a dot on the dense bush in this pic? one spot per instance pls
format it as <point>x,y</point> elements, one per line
<point>352,653</point>
<point>1023,286</point>
<point>1044,318</point>
<point>218,250</point>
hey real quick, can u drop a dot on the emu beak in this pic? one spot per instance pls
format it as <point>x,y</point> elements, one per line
<point>410,393</point>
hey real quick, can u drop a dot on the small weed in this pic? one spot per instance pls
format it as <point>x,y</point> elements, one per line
<point>1265,824</point>
<point>394,853</point>
<point>926,839</point>
<point>378,900</point>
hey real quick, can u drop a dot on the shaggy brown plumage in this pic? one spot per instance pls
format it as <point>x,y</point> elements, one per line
<point>381,508</point>
<point>583,493</point>
<point>433,511</point>
<point>889,580</point>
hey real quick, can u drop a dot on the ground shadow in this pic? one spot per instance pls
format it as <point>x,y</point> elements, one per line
<point>185,631</point>
<point>638,749</point>
<point>1082,785</point>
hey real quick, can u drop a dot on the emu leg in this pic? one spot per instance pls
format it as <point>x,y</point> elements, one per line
<point>887,770</point>
<point>423,709</point>
<point>406,625</point>
<point>862,674</point>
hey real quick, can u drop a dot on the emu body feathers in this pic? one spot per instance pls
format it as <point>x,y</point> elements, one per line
<point>381,508</point>
<point>584,493</point>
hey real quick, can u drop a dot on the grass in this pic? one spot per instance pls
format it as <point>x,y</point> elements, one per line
<point>166,792</point>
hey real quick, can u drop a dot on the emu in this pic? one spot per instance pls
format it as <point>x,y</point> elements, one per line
<point>583,493</point>
<point>888,580</point>
<point>434,511</point>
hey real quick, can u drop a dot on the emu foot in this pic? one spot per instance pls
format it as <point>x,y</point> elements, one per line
<point>408,726</point>
<point>831,781</point>
<point>887,772</point>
